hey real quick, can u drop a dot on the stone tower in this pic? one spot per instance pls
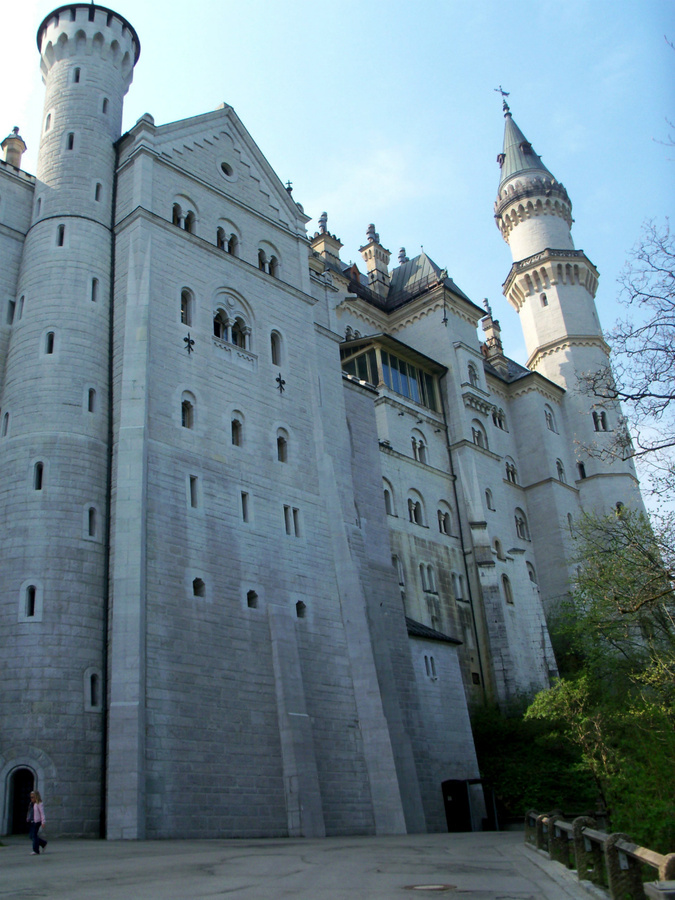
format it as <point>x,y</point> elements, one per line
<point>55,425</point>
<point>552,286</point>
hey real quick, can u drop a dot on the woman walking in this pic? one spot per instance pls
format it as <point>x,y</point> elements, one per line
<point>36,819</point>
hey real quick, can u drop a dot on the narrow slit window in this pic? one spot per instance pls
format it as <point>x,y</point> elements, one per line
<point>244,506</point>
<point>104,106</point>
<point>94,691</point>
<point>98,190</point>
<point>198,588</point>
<point>76,75</point>
<point>22,300</point>
<point>296,522</point>
<point>70,141</point>
<point>91,400</point>
<point>186,308</point>
<point>60,235</point>
<point>194,491</point>
<point>237,432</point>
<point>49,343</point>
<point>5,424</point>
<point>252,600</point>
<point>11,308</point>
<point>38,476</point>
<point>300,609</point>
<point>30,601</point>
<point>94,290</point>
<point>91,521</point>
<point>282,448</point>
<point>288,520</point>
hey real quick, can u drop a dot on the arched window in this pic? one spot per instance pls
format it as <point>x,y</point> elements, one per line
<point>239,332</point>
<point>220,239</point>
<point>473,375</point>
<point>457,585</point>
<point>38,473</point>
<point>531,573</point>
<point>478,435</point>
<point>252,600</point>
<point>186,307</point>
<point>506,587</point>
<point>398,565</point>
<point>273,267</point>
<point>544,300</point>
<point>237,430</point>
<point>498,549</point>
<point>262,260</point>
<point>415,510</point>
<point>198,588</point>
<point>233,245</point>
<point>187,410</point>
<point>489,502</point>
<point>48,122</point>
<point>282,445</point>
<point>300,609</point>
<point>49,343</point>
<point>177,215</point>
<point>190,222</point>
<point>419,446</point>
<point>91,400</point>
<point>499,419</point>
<point>522,529</point>
<point>511,471</point>
<point>560,469</point>
<point>275,348</point>
<point>221,326</point>
<point>389,505</point>
<point>444,522</point>
<point>70,140</point>
<point>30,601</point>
<point>600,420</point>
<point>550,419</point>
<point>428,577</point>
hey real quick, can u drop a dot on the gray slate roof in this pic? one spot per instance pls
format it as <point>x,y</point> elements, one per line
<point>519,157</point>
<point>416,629</point>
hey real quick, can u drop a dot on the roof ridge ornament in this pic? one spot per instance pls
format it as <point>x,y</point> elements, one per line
<point>505,105</point>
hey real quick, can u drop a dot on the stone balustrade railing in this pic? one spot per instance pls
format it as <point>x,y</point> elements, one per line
<point>612,861</point>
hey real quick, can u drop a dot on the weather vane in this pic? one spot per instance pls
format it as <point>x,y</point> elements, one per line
<point>504,94</point>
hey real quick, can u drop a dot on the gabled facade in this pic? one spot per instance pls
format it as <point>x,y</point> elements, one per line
<point>271,525</point>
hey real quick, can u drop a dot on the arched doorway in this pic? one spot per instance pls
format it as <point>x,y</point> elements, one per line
<point>21,783</point>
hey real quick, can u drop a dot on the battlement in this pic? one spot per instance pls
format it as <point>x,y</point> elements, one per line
<point>84,28</point>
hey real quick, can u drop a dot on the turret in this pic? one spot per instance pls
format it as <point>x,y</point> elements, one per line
<point>552,286</point>
<point>376,259</point>
<point>54,434</point>
<point>14,148</point>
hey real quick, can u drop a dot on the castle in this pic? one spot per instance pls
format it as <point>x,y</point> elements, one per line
<point>271,523</point>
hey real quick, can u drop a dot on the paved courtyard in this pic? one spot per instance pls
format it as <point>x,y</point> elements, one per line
<point>476,866</point>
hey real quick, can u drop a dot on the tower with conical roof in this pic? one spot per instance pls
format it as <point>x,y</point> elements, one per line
<point>552,286</point>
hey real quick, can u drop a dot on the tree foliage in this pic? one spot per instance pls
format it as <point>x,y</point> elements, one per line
<point>642,374</point>
<point>616,700</point>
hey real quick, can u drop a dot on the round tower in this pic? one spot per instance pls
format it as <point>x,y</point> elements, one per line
<point>552,286</point>
<point>54,426</point>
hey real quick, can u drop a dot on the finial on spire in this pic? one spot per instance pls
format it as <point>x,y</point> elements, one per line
<point>372,235</point>
<point>402,258</point>
<point>487,306</point>
<point>289,186</point>
<point>323,222</point>
<point>505,105</point>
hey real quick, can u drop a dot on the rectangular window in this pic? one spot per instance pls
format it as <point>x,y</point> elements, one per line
<point>296,522</point>
<point>244,506</point>
<point>194,491</point>
<point>288,520</point>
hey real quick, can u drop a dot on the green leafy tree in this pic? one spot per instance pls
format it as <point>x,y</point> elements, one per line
<point>616,700</point>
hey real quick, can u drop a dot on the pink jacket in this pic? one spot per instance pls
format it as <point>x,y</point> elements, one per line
<point>39,813</point>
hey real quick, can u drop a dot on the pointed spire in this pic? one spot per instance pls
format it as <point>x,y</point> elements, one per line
<point>517,157</point>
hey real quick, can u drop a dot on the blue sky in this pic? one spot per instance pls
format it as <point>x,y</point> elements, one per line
<point>385,112</point>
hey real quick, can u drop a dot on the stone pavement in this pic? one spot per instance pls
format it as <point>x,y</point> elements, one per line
<point>482,866</point>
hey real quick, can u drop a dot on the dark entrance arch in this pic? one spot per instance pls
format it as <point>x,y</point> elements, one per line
<point>21,783</point>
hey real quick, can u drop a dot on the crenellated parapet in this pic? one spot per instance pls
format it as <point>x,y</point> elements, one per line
<point>549,268</point>
<point>525,198</point>
<point>84,29</point>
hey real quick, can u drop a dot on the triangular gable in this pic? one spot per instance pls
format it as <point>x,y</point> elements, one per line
<point>202,145</point>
